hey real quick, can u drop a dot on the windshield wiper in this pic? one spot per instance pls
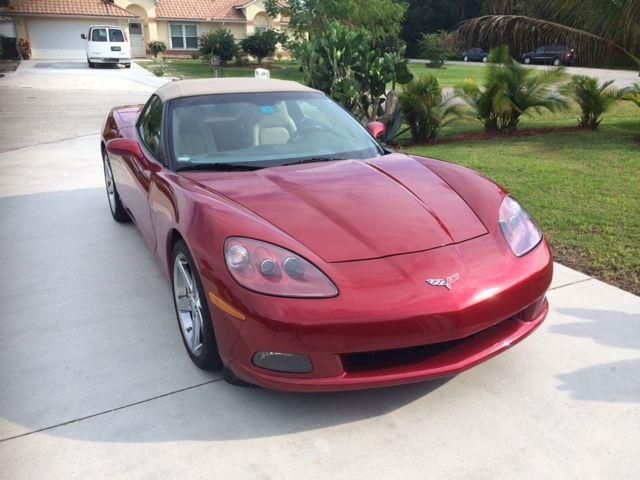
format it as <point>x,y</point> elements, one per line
<point>312,160</point>
<point>218,167</point>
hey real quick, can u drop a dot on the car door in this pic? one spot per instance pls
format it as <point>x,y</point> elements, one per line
<point>98,44</point>
<point>136,174</point>
<point>549,54</point>
<point>118,45</point>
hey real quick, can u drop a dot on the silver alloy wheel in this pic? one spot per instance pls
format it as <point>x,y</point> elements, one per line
<point>108,180</point>
<point>466,59</point>
<point>188,306</point>
<point>556,62</point>
<point>527,60</point>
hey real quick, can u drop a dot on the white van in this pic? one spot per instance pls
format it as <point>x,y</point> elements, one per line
<point>107,44</point>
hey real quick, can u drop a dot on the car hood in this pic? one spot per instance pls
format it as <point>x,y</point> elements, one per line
<point>353,209</point>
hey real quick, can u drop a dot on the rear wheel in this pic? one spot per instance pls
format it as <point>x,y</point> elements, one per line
<point>466,59</point>
<point>193,315</point>
<point>91,64</point>
<point>485,59</point>
<point>556,62</point>
<point>115,204</point>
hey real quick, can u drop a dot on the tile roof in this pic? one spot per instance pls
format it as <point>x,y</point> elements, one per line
<point>89,8</point>
<point>200,9</point>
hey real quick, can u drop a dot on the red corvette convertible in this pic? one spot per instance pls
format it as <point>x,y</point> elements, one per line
<point>305,256</point>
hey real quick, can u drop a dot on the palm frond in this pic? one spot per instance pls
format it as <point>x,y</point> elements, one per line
<point>523,33</point>
<point>632,94</point>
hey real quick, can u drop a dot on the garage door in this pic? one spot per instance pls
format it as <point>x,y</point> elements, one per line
<point>58,39</point>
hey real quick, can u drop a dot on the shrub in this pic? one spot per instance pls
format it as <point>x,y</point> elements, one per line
<point>632,94</point>
<point>342,62</point>
<point>510,90</point>
<point>157,47</point>
<point>426,109</point>
<point>437,47</point>
<point>24,48</point>
<point>159,70</point>
<point>220,43</point>
<point>594,98</point>
<point>260,44</point>
<point>195,55</point>
<point>241,61</point>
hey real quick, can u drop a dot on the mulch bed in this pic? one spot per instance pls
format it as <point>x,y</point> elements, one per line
<point>525,132</point>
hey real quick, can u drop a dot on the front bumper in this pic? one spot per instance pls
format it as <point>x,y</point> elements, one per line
<point>459,356</point>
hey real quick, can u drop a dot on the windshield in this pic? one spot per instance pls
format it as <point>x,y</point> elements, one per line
<point>263,130</point>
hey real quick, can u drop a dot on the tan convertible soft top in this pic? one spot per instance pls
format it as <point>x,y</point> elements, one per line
<point>212,86</point>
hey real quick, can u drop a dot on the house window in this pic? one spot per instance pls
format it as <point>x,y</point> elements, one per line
<point>184,36</point>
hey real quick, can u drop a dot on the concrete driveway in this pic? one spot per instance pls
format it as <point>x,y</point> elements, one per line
<point>96,383</point>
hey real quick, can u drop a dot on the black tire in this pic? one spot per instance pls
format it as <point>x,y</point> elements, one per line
<point>127,65</point>
<point>91,64</point>
<point>116,206</point>
<point>232,379</point>
<point>208,357</point>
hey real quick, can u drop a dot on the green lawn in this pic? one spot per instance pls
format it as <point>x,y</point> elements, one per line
<point>450,75</point>
<point>188,68</point>
<point>582,187</point>
<point>287,70</point>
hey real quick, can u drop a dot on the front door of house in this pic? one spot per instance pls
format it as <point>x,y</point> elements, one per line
<point>137,40</point>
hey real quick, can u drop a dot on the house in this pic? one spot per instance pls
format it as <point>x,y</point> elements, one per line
<point>53,27</point>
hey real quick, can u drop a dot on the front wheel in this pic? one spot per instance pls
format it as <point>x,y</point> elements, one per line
<point>485,59</point>
<point>527,60</point>
<point>115,204</point>
<point>194,319</point>
<point>127,65</point>
<point>466,59</point>
<point>556,62</point>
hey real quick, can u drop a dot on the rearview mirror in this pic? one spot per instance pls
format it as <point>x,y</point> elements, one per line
<point>129,147</point>
<point>377,129</point>
<point>83,36</point>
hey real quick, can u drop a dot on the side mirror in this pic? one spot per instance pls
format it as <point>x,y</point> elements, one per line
<point>128,147</point>
<point>377,129</point>
<point>83,36</point>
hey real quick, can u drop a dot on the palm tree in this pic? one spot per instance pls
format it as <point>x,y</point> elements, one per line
<point>427,109</point>
<point>599,29</point>
<point>632,94</point>
<point>594,98</point>
<point>510,90</point>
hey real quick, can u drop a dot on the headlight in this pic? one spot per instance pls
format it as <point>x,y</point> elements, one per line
<point>269,269</point>
<point>518,229</point>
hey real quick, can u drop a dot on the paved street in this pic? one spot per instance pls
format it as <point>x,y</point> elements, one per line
<point>96,382</point>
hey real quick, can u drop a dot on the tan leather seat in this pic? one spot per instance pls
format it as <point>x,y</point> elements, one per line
<point>191,135</point>
<point>275,128</point>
